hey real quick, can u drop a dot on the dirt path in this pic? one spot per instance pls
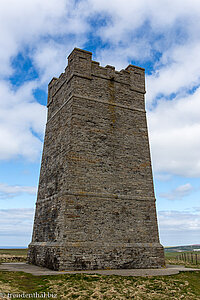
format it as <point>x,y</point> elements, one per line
<point>35,270</point>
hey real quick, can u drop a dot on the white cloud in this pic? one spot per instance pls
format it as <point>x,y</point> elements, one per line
<point>179,220</point>
<point>22,22</point>
<point>177,71</point>
<point>9,191</point>
<point>16,221</point>
<point>21,116</point>
<point>50,60</point>
<point>16,226</point>
<point>128,16</point>
<point>157,25</point>
<point>27,24</point>
<point>162,176</point>
<point>121,56</point>
<point>178,193</point>
<point>175,135</point>
<point>179,227</point>
<point>39,30</point>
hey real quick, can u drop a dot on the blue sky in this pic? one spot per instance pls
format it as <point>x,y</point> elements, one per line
<point>161,36</point>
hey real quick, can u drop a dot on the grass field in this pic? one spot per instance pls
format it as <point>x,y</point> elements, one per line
<point>13,255</point>
<point>84,286</point>
<point>171,258</point>
<point>14,251</point>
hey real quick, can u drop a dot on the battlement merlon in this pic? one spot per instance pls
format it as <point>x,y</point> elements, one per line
<point>80,63</point>
<point>53,81</point>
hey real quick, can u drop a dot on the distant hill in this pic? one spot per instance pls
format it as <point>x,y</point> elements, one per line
<point>182,248</point>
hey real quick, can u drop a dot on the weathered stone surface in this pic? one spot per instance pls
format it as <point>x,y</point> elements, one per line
<point>96,205</point>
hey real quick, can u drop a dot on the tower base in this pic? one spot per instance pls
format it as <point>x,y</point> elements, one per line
<point>100,256</point>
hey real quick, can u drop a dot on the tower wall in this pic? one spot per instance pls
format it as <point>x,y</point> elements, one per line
<point>96,205</point>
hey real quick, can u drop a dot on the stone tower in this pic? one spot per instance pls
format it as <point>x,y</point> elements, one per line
<point>96,205</point>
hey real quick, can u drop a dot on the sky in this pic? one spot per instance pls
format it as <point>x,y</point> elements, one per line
<point>162,36</point>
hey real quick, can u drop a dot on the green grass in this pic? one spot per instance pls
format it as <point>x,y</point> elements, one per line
<point>84,286</point>
<point>175,254</point>
<point>13,255</point>
<point>169,255</point>
<point>14,251</point>
<point>93,286</point>
<point>172,258</point>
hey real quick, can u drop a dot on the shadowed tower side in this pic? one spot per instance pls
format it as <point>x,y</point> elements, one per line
<point>96,206</point>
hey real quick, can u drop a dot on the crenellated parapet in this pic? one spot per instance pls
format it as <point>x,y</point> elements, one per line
<point>80,63</point>
<point>86,77</point>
